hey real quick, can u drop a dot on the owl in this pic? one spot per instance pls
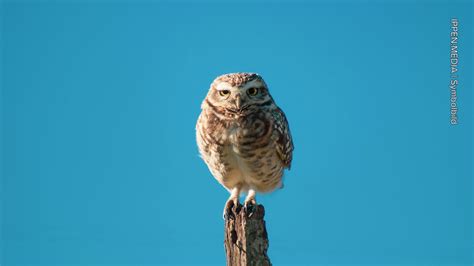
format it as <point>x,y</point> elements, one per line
<point>244,137</point>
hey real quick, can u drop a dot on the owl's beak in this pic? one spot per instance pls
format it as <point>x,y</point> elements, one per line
<point>240,106</point>
<point>238,102</point>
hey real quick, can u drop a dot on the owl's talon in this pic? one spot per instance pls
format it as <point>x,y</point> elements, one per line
<point>250,207</point>
<point>228,213</point>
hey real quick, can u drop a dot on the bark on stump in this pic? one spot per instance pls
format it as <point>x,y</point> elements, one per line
<point>246,239</point>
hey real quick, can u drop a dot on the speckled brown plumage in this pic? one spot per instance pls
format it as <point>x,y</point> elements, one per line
<point>237,79</point>
<point>243,136</point>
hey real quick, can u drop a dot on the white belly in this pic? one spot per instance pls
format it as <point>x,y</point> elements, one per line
<point>242,171</point>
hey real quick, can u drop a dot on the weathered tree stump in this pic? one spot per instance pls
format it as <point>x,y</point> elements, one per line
<point>246,239</point>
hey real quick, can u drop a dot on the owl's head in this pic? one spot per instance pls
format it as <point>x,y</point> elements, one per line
<point>239,93</point>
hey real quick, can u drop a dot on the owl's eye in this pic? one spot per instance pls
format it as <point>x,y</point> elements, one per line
<point>252,91</point>
<point>224,93</point>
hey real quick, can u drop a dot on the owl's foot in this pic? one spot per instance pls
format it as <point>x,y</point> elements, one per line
<point>231,202</point>
<point>250,207</point>
<point>250,204</point>
<point>229,205</point>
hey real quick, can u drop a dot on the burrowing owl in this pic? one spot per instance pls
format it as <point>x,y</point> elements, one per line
<point>243,137</point>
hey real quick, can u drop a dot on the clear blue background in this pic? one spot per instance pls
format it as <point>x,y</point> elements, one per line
<point>99,103</point>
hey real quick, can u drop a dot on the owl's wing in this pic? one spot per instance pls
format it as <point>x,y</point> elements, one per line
<point>284,142</point>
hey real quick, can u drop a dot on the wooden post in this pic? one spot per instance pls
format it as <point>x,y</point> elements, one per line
<point>246,239</point>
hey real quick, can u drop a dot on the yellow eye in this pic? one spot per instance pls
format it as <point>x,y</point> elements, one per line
<point>252,91</point>
<point>224,93</point>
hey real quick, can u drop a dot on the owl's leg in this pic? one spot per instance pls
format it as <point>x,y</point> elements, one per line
<point>232,201</point>
<point>250,203</point>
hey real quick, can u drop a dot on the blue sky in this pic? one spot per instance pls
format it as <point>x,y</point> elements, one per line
<point>99,103</point>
